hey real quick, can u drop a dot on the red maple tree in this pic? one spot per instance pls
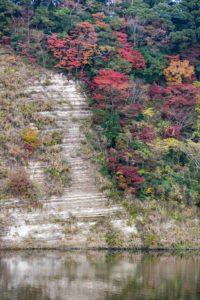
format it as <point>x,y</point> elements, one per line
<point>180,100</point>
<point>126,175</point>
<point>156,92</point>
<point>128,53</point>
<point>110,89</point>
<point>76,49</point>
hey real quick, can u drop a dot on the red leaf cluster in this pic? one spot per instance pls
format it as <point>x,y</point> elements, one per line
<point>192,54</point>
<point>183,94</point>
<point>156,92</point>
<point>111,88</point>
<point>126,175</point>
<point>5,40</point>
<point>134,57</point>
<point>76,49</point>
<point>65,50</point>
<point>121,37</point>
<point>111,78</point>
<point>180,99</point>
<point>145,134</point>
<point>173,132</point>
<point>130,173</point>
<point>128,53</point>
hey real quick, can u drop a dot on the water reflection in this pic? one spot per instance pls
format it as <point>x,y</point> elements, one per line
<point>98,276</point>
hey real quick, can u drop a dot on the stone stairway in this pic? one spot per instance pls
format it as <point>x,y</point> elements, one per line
<point>65,221</point>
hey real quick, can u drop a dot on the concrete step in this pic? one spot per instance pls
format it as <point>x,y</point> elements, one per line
<point>81,200</point>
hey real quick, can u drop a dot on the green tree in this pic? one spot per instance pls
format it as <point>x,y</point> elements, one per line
<point>41,19</point>
<point>7,10</point>
<point>111,127</point>
<point>155,64</point>
<point>64,19</point>
<point>187,24</point>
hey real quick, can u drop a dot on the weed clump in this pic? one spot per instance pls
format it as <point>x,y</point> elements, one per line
<point>19,183</point>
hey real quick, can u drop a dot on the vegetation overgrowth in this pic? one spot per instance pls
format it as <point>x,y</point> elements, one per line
<point>140,65</point>
<point>24,138</point>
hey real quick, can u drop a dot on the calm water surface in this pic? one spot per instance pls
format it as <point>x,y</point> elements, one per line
<point>98,276</point>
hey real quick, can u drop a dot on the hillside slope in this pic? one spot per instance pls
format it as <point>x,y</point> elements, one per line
<point>81,215</point>
<point>70,219</point>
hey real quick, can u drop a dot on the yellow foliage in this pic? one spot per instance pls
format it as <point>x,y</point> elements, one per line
<point>197,84</point>
<point>149,112</point>
<point>30,136</point>
<point>178,70</point>
<point>163,146</point>
<point>87,54</point>
<point>105,48</point>
<point>149,190</point>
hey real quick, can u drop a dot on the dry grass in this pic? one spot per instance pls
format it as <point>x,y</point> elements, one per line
<point>22,131</point>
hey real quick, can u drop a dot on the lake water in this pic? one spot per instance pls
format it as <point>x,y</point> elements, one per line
<point>54,275</point>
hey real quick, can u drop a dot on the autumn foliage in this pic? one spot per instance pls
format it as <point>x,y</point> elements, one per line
<point>178,71</point>
<point>30,137</point>
<point>156,92</point>
<point>179,100</point>
<point>99,20</point>
<point>65,52</point>
<point>138,72</point>
<point>173,132</point>
<point>126,175</point>
<point>128,53</point>
<point>111,89</point>
<point>18,181</point>
<point>76,49</point>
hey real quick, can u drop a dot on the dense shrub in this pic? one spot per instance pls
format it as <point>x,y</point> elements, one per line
<point>19,182</point>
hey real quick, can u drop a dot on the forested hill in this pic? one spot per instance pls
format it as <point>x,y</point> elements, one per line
<point>138,61</point>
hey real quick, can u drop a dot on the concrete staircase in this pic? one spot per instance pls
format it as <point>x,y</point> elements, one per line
<point>65,221</point>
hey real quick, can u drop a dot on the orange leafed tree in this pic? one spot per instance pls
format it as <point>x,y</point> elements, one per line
<point>76,49</point>
<point>178,71</point>
<point>99,20</point>
<point>84,33</point>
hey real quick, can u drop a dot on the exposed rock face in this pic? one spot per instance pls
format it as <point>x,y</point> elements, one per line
<point>69,220</point>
